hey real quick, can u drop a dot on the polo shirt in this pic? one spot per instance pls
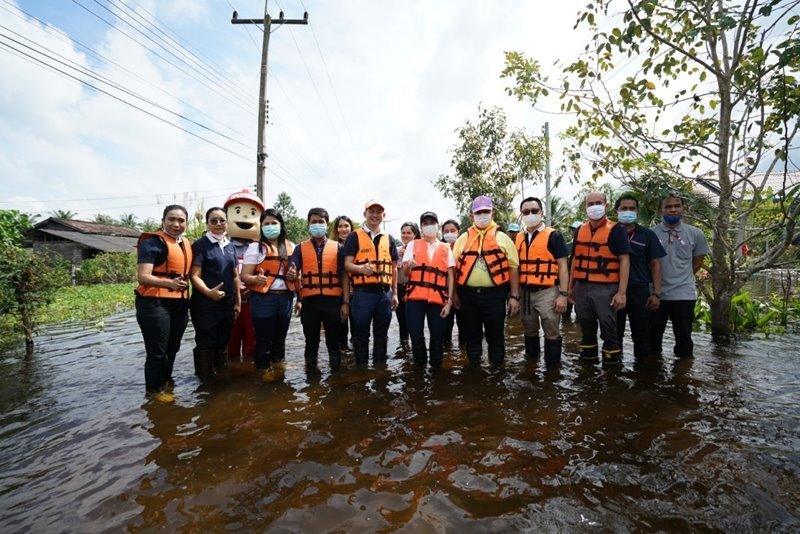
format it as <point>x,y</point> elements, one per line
<point>217,264</point>
<point>645,247</point>
<point>682,243</point>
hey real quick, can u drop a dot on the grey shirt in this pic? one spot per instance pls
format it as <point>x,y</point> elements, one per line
<point>683,243</point>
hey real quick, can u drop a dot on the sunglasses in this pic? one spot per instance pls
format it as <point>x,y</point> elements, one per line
<point>532,211</point>
<point>217,221</point>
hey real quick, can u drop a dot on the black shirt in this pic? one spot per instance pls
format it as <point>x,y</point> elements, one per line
<point>217,264</point>
<point>645,246</point>
<point>351,245</point>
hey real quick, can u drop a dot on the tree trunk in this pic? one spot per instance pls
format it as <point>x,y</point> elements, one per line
<point>720,319</point>
<point>27,328</point>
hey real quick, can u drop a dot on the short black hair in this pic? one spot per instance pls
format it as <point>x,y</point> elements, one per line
<point>174,207</point>
<point>626,196</point>
<point>529,199</point>
<point>453,222</point>
<point>671,195</point>
<point>320,212</point>
<point>212,210</point>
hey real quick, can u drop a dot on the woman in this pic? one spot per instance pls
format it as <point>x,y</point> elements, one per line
<point>429,265</point>
<point>340,229</point>
<point>162,298</point>
<point>408,233</point>
<point>265,264</point>
<point>216,301</point>
<point>450,231</point>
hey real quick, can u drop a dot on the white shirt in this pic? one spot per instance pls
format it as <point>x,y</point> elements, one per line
<point>254,255</point>
<point>409,253</point>
<point>221,241</point>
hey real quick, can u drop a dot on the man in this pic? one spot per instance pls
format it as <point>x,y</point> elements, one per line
<point>370,257</point>
<point>544,280</point>
<point>686,248</point>
<point>324,292</point>
<point>513,231</point>
<point>644,282</point>
<point>487,278</point>
<point>573,232</point>
<point>599,280</point>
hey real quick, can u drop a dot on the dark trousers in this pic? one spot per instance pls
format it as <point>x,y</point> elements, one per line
<point>401,313</point>
<point>454,319</point>
<point>636,298</point>
<point>212,322</point>
<point>483,310</point>
<point>316,312</point>
<point>243,335</point>
<point>162,322</point>
<point>593,309</point>
<point>681,313</point>
<point>370,307</point>
<point>271,321</point>
<point>416,313</point>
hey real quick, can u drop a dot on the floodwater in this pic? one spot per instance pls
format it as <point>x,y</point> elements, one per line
<point>709,444</point>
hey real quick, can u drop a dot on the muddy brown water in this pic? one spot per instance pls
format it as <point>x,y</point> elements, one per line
<point>704,444</point>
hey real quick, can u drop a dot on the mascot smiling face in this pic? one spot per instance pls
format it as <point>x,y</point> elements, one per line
<point>244,210</point>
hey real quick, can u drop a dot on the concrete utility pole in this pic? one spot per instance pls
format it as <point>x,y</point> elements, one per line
<point>263,102</point>
<point>547,199</point>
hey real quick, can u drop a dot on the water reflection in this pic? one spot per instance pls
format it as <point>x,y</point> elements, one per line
<point>663,444</point>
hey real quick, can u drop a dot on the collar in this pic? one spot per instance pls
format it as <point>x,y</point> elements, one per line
<point>537,229</point>
<point>222,241</point>
<point>677,228</point>
<point>600,222</point>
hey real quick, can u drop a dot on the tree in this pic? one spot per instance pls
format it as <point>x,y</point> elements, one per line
<point>63,214</point>
<point>715,94</point>
<point>128,219</point>
<point>490,160</point>
<point>13,226</point>
<point>104,219</point>
<point>296,228</point>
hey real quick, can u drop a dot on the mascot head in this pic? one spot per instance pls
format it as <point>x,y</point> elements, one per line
<point>244,211</point>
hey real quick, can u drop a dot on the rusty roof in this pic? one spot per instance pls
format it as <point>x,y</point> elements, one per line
<point>86,227</point>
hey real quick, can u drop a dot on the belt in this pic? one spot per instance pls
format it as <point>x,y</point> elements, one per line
<point>373,288</point>
<point>483,290</point>
<point>278,291</point>
<point>534,289</point>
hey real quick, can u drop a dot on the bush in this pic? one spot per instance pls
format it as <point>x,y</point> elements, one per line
<point>108,268</point>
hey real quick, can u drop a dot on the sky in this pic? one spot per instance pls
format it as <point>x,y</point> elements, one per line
<point>364,101</point>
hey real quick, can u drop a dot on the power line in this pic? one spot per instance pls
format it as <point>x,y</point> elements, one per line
<point>174,193</point>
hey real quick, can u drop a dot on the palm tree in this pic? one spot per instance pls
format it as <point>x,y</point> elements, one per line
<point>63,214</point>
<point>128,219</point>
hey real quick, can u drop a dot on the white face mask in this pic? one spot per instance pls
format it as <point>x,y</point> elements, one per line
<point>483,220</point>
<point>596,212</point>
<point>450,237</point>
<point>429,230</point>
<point>532,220</point>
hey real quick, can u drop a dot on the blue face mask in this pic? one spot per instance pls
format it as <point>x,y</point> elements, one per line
<point>627,217</point>
<point>672,219</point>
<point>317,229</point>
<point>271,231</point>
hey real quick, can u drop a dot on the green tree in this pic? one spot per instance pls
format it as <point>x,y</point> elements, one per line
<point>129,220</point>
<point>13,226</point>
<point>714,94</point>
<point>63,214</point>
<point>491,160</point>
<point>104,219</point>
<point>296,228</point>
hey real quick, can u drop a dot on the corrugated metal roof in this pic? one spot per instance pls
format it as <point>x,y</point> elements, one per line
<point>105,243</point>
<point>87,227</point>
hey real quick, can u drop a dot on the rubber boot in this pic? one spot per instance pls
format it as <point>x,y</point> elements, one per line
<point>588,353</point>
<point>552,352</point>
<point>612,357</point>
<point>311,362</point>
<point>379,350</point>
<point>203,364</point>
<point>420,353</point>
<point>532,347</point>
<point>335,359</point>
<point>361,352</point>
<point>220,359</point>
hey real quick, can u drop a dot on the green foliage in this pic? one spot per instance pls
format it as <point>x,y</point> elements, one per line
<point>296,227</point>
<point>195,226</point>
<point>13,226</point>
<point>108,268</point>
<point>104,219</point>
<point>491,160</point>
<point>63,214</point>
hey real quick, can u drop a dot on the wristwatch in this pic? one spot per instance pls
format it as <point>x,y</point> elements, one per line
<point>563,293</point>
<point>515,297</point>
<point>657,295</point>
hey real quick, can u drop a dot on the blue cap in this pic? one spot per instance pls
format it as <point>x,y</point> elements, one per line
<point>513,227</point>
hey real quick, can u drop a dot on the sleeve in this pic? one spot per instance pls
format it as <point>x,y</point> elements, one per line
<point>350,247</point>
<point>451,260</point>
<point>508,248</point>
<point>252,253</point>
<point>618,240</point>
<point>700,243</point>
<point>393,249</point>
<point>340,258</point>
<point>297,257</point>
<point>557,246</point>
<point>152,251</point>
<point>408,255</point>
<point>198,252</point>
<point>458,246</point>
<point>654,248</point>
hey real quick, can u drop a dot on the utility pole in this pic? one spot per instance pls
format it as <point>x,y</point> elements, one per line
<point>263,102</point>
<point>547,198</point>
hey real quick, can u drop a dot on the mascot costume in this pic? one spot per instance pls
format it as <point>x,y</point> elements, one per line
<point>244,211</point>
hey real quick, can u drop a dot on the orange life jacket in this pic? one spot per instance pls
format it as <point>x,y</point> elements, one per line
<point>380,259</point>
<point>492,254</point>
<point>537,265</point>
<point>428,280</point>
<point>320,274</point>
<point>593,260</point>
<point>271,265</point>
<point>178,263</point>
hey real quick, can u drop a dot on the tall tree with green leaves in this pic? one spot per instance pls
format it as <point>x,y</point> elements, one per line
<point>490,159</point>
<point>63,214</point>
<point>709,88</point>
<point>296,227</point>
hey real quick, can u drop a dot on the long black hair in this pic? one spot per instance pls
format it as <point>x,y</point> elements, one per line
<point>281,237</point>
<point>414,229</point>
<point>334,233</point>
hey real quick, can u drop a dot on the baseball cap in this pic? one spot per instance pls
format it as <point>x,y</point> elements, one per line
<point>482,203</point>
<point>513,227</point>
<point>373,202</point>
<point>428,215</point>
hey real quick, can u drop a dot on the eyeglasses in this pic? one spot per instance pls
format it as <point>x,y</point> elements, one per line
<point>532,211</point>
<point>217,221</point>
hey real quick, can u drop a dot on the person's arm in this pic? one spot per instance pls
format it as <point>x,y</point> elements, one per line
<point>654,300</point>
<point>618,301</point>
<point>513,298</point>
<point>697,263</point>
<point>214,293</point>
<point>144,275</point>
<point>450,285</point>
<point>237,292</point>
<point>560,304</point>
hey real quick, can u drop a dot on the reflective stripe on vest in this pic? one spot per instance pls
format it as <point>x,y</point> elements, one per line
<point>428,280</point>
<point>537,265</point>
<point>178,263</point>
<point>320,273</point>
<point>381,259</point>
<point>271,265</point>
<point>492,254</point>
<point>593,260</point>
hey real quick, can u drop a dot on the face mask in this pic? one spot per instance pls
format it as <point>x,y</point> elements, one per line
<point>271,231</point>
<point>626,217</point>
<point>596,212</point>
<point>532,220</point>
<point>483,220</point>
<point>429,230</point>
<point>672,219</point>
<point>450,237</point>
<point>317,229</point>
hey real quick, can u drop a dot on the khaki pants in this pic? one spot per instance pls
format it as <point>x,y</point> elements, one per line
<point>536,307</point>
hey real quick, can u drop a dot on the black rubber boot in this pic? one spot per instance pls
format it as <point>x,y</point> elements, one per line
<point>612,357</point>
<point>552,352</point>
<point>220,359</point>
<point>203,364</point>
<point>335,361</point>
<point>589,353</point>
<point>311,362</point>
<point>361,352</point>
<point>379,350</point>
<point>420,353</point>
<point>532,347</point>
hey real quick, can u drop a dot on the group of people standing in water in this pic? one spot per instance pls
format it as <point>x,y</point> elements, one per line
<point>248,278</point>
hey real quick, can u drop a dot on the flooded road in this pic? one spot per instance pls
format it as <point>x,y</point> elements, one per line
<point>709,444</point>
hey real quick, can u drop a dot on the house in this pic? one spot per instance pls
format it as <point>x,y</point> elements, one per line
<point>76,241</point>
<point>774,182</point>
